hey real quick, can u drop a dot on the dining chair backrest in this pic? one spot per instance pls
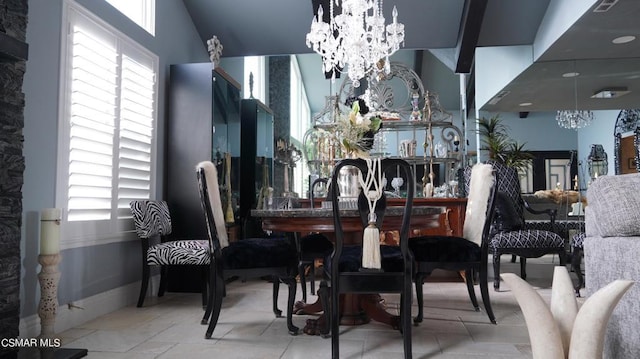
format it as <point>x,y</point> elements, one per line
<point>212,206</point>
<point>509,184</point>
<point>151,218</point>
<point>361,164</point>
<point>481,184</point>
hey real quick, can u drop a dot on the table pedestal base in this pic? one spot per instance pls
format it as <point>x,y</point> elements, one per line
<point>356,309</point>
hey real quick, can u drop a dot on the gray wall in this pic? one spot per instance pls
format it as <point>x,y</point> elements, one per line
<point>90,270</point>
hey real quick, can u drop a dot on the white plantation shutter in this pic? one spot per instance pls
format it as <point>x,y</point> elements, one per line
<point>107,148</point>
<point>136,134</point>
<point>93,121</point>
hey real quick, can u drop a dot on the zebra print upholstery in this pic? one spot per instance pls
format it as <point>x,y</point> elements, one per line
<point>153,221</point>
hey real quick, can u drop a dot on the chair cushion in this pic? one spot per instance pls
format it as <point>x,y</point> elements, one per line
<point>351,259</point>
<point>315,243</point>
<point>252,253</point>
<point>444,249</point>
<point>505,216</point>
<point>577,241</point>
<point>529,238</point>
<point>188,252</point>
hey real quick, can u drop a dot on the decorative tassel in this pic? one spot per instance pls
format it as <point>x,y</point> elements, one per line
<point>371,245</point>
<point>371,236</point>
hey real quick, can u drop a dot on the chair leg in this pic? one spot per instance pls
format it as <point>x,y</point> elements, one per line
<point>513,258</point>
<point>291,283</point>
<point>216,303</point>
<point>164,280</point>
<point>145,283</point>
<point>576,264</point>
<point>204,286</point>
<point>213,289</point>
<point>523,268</point>
<point>303,281</point>
<point>405,322</point>
<point>419,280</point>
<point>335,320</point>
<point>484,291</point>
<point>276,289</point>
<point>468,277</point>
<point>312,276</point>
<point>496,271</point>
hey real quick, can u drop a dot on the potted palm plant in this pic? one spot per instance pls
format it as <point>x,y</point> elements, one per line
<point>495,140</point>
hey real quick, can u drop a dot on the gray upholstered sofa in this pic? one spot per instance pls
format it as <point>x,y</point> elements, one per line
<point>612,251</point>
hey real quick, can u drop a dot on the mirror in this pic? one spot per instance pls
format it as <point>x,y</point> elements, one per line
<point>627,142</point>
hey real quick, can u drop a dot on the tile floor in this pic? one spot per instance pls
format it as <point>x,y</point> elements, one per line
<point>170,327</point>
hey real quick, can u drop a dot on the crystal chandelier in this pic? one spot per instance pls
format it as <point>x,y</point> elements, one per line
<point>574,119</point>
<point>355,39</point>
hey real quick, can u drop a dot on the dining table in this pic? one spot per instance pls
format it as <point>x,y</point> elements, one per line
<point>355,308</point>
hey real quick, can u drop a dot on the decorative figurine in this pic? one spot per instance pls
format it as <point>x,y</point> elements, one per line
<point>416,114</point>
<point>215,50</point>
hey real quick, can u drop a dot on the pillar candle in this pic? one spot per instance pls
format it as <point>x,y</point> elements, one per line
<point>50,231</point>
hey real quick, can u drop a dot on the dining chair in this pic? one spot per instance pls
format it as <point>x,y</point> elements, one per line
<point>311,248</point>
<point>468,253</point>
<point>272,257</point>
<point>393,273</point>
<point>152,221</point>
<point>509,233</point>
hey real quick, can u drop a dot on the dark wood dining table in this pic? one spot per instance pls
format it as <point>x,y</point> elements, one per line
<point>356,308</point>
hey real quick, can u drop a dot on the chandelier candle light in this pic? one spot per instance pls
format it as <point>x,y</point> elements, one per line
<point>355,38</point>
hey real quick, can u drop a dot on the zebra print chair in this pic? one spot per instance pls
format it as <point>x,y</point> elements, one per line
<point>271,257</point>
<point>153,223</point>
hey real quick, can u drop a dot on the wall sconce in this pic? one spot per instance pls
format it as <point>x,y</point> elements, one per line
<point>597,162</point>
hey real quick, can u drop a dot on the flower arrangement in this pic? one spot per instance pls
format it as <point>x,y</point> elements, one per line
<point>356,131</point>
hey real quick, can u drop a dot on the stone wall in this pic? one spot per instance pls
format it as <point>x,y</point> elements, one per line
<point>13,25</point>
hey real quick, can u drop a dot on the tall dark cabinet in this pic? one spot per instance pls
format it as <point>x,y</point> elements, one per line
<point>203,123</point>
<point>203,115</point>
<point>206,119</point>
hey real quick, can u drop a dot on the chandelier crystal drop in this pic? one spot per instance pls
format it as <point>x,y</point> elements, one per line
<point>574,119</point>
<point>356,39</point>
<point>578,118</point>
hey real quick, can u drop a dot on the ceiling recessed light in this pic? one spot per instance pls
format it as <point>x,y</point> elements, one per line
<point>570,74</point>
<point>525,104</point>
<point>611,92</point>
<point>623,39</point>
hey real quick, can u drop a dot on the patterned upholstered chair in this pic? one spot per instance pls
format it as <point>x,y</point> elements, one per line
<point>468,253</point>
<point>273,257</point>
<point>577,251</point>
<point>509,234</point>
<point>153,222</point>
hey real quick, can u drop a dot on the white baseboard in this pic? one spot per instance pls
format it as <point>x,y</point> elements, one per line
<point>80,311</point>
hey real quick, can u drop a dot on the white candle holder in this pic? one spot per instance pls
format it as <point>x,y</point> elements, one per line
<point>48,307</point>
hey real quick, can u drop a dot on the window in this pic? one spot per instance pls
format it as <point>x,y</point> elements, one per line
<point>300,122</point>
<point>254,65</point>
<point>107,128</point>
<point>142,12</point>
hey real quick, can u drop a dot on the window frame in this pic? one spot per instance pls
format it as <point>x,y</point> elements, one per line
<point>86,233</point>
<point>147,20</point>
